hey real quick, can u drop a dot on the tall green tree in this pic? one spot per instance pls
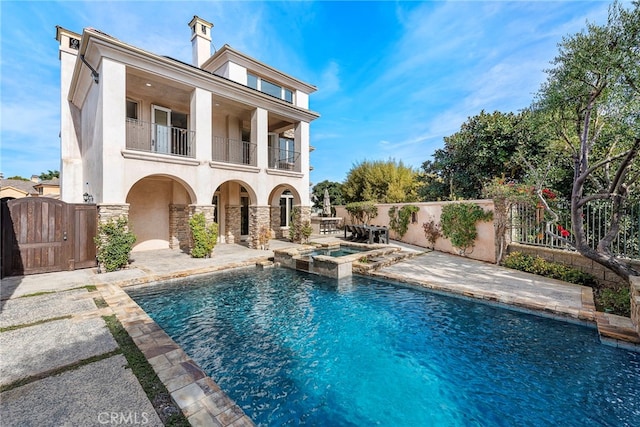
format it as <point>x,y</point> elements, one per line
<point>335,193</point>
<point>485,147</point>
<point>382,181</point>
<point>592,93</point>
<point>49,175</point>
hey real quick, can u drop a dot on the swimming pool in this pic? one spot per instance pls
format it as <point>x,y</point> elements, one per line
<point>339,251</point>
<point>292,348</point>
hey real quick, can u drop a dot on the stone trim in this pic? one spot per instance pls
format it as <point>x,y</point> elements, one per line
<point>199,398</point>
<point>179,236</point>
<point>107,212</point>
<point>275,223</point>
<point>232,221</point>
<point>259,216</point>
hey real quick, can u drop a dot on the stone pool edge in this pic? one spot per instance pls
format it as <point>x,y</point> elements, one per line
<point>199,397</point>
<point>615,331</point>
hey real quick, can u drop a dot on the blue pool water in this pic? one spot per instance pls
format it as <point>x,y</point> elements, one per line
<point>341,251</point>
<point>292,348</point>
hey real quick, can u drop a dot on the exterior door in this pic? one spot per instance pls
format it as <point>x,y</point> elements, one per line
<point>41,235</point>
<point>36,236</point>
<point>161,118</point>
<point>244,216</point>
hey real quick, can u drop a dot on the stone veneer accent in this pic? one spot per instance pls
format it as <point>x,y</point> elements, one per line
<point>573,259</point>
<point>179,236</point>
<point>635,302</point>
<point>305,215</point>
<point>200,399</point>
<point>110,212</point>
<point>275,222</point>
<point>233,218</point>
<point>113,211</point>
<point>259,216</point>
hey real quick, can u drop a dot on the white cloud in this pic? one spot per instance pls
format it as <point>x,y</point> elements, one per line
<point>329,84</point>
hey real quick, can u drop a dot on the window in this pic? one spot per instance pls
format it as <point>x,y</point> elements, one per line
<point>132,110</point>
<point>271,89</point>
<point>288,95</point>
<point>287,150</point>
<point>286,207</point>
<point>214,202</point>
<point>252,81</point>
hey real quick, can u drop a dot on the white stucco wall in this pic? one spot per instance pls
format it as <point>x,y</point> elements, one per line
<point>71,170</point>
<point>149,202</point>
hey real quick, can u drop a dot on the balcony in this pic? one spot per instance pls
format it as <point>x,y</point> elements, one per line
<point>233,151</point>
<point>285,160</point>
<point>155,138</point>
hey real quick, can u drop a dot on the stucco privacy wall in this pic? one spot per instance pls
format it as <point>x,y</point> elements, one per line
<point>484,250</point>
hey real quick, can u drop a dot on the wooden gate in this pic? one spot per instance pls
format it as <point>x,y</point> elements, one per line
<point>41,234</point>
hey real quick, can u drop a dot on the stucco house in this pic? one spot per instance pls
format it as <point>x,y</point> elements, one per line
<point>156,139</point>
<point>16,188</point>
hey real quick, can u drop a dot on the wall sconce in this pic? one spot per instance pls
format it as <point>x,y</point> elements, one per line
<point>88,198</point>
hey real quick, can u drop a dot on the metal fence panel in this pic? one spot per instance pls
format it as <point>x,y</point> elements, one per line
<point>529,226</point>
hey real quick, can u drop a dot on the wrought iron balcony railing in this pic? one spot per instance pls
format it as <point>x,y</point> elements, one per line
<point>286,160</point>
<point>155,138</point>
<point>233,151</point>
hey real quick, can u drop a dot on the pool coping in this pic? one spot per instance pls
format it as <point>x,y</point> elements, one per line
<point>197,395</point>
<point>199,398</point>
<point>204,403</point>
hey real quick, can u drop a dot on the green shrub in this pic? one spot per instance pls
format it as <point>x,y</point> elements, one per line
<point>542,267</point>
<point>458,221</point>
<point>399,218</point>
<point>204,236</point>
<point>362,212</point>
<point>299,231</point>
<point>305,231</point>
<point>614,300</point>
<point>113,243</point>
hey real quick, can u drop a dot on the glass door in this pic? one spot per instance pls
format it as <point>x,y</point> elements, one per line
<point>161,119</point>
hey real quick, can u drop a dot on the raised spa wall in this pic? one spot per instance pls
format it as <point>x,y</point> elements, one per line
<point>324,265</point>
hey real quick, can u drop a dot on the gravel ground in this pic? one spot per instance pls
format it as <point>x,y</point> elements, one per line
<point>21,311</point>
<point>36,349</point>
<point>100,393</point>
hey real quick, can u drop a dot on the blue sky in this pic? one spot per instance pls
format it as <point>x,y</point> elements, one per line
<point>393,78</point>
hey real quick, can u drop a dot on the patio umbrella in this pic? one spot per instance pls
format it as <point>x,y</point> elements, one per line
<point>326,209</point>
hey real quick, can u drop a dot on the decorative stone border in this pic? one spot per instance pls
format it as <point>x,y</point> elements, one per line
<point>201,400</point>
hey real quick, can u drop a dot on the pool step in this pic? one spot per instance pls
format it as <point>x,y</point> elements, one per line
<point>265,264</point>
<point>378,262</point>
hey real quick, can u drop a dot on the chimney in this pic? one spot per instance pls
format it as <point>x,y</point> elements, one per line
<point>200,40</point>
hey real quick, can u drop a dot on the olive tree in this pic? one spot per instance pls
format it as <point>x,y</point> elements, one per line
<point>593,94</point>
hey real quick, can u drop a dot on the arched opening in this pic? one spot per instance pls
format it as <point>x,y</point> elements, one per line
<point>158,213</point>
<point>233,202</point>
<point>282,200</point>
